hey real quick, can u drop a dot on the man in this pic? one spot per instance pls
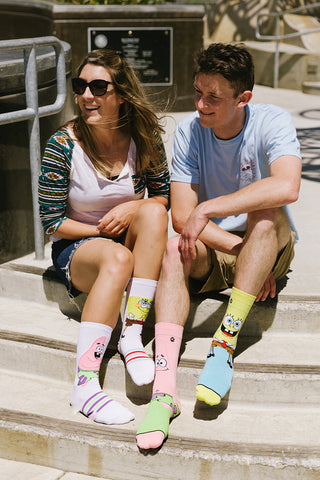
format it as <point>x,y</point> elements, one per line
<point>236,167</point>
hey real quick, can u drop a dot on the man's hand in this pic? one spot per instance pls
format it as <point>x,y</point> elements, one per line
<point>190,232</point>
<point>268,289</point>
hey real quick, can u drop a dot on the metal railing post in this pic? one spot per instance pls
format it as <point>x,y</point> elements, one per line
<point>33,112</point>
<point>276,55</point>
<point>31,84</point>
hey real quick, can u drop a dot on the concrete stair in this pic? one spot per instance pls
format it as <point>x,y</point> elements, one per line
<point>293,22</point>
<point>311,88</point>
<point>299,59</point>
<point>294,64</point>
<point>298,23</point>
<point>268,426</point>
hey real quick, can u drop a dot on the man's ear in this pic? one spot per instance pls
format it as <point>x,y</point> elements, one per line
<point>244,98</point>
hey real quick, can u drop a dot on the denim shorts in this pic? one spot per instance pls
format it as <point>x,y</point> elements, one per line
<point>61,254</point>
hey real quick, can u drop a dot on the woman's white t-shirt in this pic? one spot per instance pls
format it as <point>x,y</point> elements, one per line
<point>91,195</point>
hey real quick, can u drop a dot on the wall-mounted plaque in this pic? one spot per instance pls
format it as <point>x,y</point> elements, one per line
<point>149,50</point>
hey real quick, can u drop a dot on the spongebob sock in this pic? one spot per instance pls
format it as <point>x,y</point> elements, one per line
<point>164,404</point>
<point>140,295</point>
<point>216,377</point>
<point>87,396</point>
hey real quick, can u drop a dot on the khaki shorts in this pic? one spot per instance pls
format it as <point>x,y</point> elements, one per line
<point>223,269</point>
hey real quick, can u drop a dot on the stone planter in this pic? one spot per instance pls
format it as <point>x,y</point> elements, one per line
<point>71,23</point>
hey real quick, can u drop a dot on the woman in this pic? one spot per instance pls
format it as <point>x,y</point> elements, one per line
<point>106,235</point>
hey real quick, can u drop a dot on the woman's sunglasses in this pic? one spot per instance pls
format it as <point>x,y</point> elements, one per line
<point>97,87</point>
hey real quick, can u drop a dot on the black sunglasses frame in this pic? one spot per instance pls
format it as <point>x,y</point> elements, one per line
<point>79,86</point>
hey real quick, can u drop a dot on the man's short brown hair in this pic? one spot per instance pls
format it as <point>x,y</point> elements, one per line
<point>232,61</point>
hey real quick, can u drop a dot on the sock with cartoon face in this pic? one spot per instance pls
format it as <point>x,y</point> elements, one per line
<point>87,396</point>
<point>140,295</point>
<point>164,405</point>
<point>216,377</point>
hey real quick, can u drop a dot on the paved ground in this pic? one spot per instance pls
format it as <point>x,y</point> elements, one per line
<point>305,281</point>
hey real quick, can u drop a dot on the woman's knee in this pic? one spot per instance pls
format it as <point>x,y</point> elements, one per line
<point>100,259</point>
<point>118,261</point>
<point>153,215</point>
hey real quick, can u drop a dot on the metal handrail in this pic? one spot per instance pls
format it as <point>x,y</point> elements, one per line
<point>33,112</point>
<point>278,37</point>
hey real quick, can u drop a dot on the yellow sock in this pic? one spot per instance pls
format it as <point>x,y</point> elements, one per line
<point>216,377</point>
<point>239,306</point>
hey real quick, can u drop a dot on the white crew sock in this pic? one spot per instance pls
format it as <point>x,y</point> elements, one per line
<point>140,295</point>
<point>87,396</point>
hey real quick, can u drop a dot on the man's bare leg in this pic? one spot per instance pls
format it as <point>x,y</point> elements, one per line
<point>172,308</point>
<point>268,233</point>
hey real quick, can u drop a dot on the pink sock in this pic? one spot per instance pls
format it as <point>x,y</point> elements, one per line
<point>168,338</point>
<point>168,342</point>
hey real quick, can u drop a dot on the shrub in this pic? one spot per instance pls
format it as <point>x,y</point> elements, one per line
<point>113,2</point>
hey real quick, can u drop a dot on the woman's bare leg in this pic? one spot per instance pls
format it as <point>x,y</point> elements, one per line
<point>102,268</point>
<point>146,237</point>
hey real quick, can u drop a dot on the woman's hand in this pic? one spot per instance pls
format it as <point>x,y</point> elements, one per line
<point>114,223</point>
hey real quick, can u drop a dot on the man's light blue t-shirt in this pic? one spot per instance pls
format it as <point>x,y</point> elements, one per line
<point>221,167</point>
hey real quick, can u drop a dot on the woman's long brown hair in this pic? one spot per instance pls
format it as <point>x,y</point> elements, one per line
<point>136,114</point>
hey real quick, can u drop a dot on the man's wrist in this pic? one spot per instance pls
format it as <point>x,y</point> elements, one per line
<point>203,211</point>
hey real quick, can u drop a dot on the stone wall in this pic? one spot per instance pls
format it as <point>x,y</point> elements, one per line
<point>71,23</point>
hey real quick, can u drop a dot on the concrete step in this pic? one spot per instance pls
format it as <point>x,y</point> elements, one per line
<point>277,368</point>
<point>275,395</point>
<point>280,383</point>
<point>40,284</point>
<point>311,88</point>
<point>31,320</point>
<point>304,65</point>
<point>271,360</point>
<point>263,54</point>
<point>27,471</point>
<point>267,427</point>
<point>37,426</point>
<point>294,23</point>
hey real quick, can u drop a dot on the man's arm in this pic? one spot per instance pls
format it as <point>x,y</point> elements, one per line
<point>184,199</point>
<point>281,188</point>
